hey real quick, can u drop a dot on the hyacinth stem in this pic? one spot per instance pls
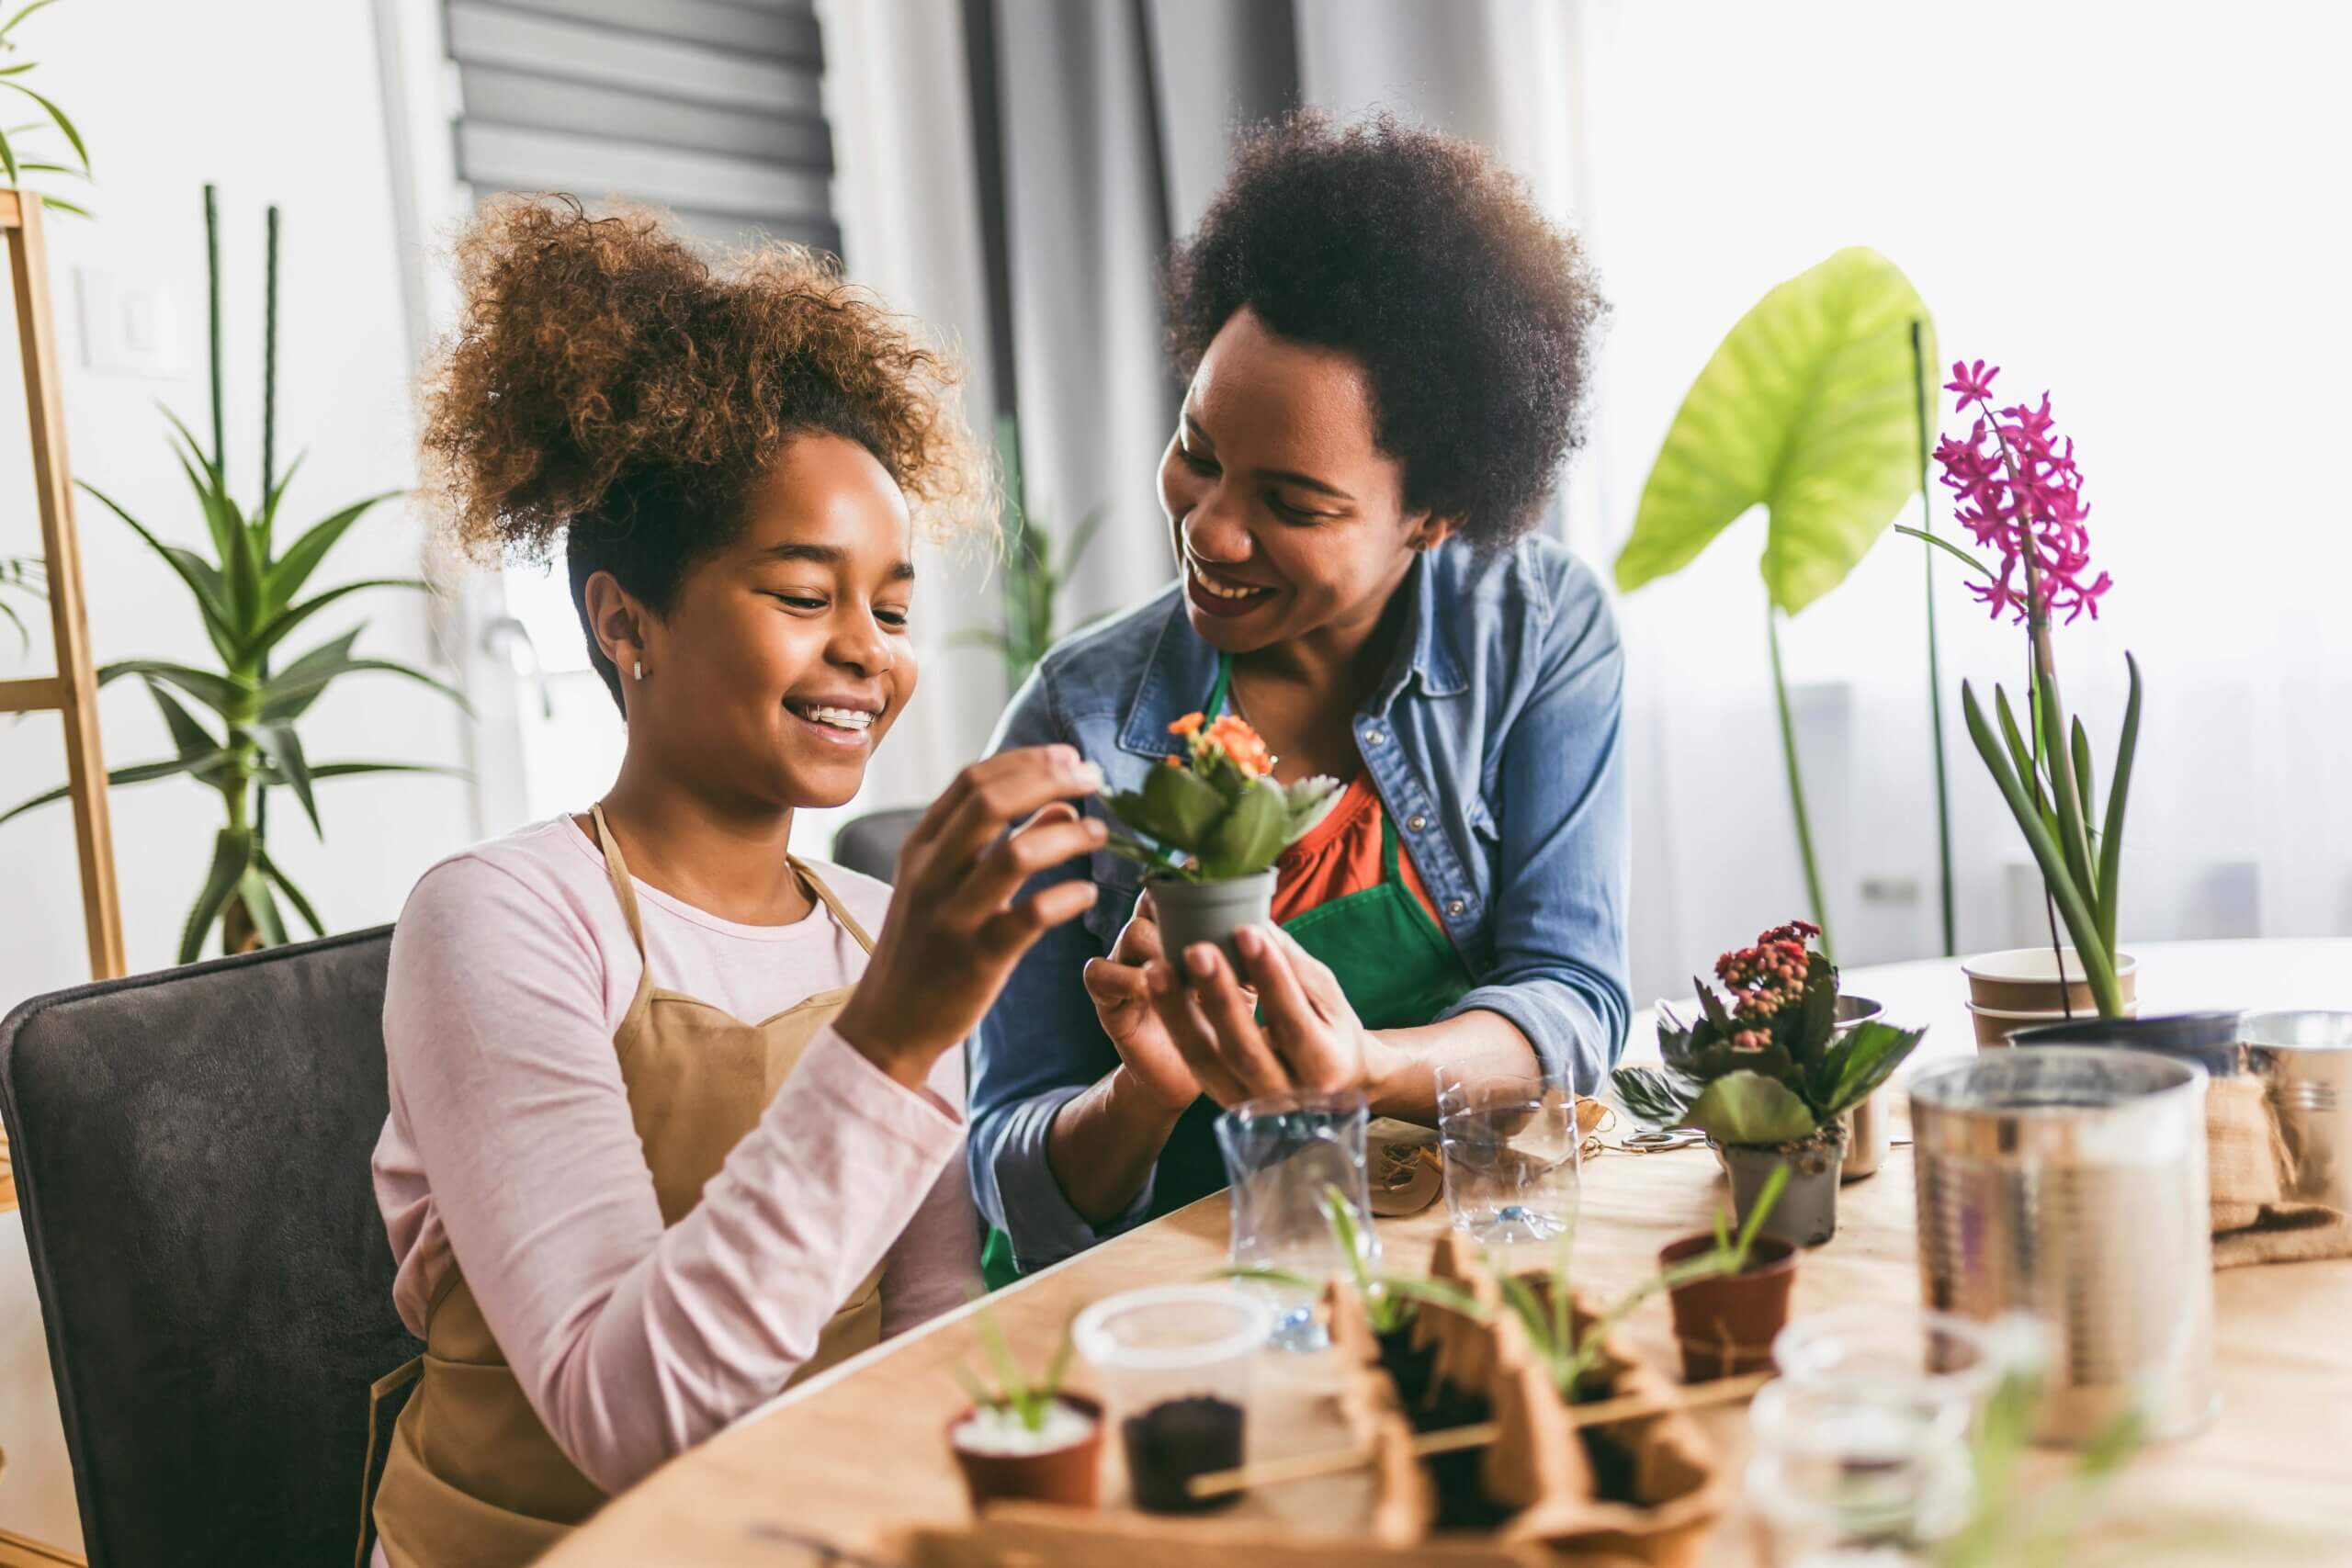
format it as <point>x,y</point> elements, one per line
<point>1935,672</point>
<point>2071,882</point>
<point>1796,785</point>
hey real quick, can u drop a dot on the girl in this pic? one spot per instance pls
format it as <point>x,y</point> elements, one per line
<point>1387,350</point>
<point>651,1156</point>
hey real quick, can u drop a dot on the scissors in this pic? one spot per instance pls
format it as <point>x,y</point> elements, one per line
<point>1664,1138</point>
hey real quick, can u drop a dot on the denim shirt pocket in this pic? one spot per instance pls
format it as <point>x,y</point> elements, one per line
<point>1121,881</point>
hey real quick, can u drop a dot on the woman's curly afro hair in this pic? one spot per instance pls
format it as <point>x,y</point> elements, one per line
<point>1427,261</point>
<point>609,388</point>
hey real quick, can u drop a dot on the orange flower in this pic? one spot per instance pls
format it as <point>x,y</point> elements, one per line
<point>1238,740</point>
<point>1187,726</point>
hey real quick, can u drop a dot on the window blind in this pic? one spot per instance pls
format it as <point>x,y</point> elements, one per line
<point>709,109</point>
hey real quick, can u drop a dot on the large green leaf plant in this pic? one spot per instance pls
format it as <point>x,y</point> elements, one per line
<point>252,597</point>
<point>1812,407</point>
<point>16,161</point>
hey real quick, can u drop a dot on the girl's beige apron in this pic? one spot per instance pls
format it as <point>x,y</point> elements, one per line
<point>473,1478</point>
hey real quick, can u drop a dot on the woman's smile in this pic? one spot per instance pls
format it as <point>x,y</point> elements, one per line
<point>839,720</point>
<point>1215,592</point>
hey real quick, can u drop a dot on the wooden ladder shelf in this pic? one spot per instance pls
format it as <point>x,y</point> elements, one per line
<point>72,692</point>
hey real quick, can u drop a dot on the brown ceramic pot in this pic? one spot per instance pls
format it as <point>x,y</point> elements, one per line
<point>1725,1325</point>
<point>1069,1476</point>
<point>2025,980</point>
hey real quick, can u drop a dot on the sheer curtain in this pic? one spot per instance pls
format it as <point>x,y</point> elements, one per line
<point>2139,210</point>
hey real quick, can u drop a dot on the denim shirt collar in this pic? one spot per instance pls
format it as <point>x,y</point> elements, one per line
<point>1182,667</point>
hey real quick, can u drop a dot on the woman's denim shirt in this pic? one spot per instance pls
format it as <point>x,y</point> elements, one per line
<point>1495,740</point>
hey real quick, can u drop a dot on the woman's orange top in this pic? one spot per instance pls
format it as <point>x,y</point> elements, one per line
<point>1342,856</point>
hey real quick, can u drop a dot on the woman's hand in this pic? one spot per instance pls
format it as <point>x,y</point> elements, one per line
<point>1123,1001</point>
<point>954,929</point>
<point>1298,1033</point>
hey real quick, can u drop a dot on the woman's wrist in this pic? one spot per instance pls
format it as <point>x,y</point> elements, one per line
<point>1137,1106</point>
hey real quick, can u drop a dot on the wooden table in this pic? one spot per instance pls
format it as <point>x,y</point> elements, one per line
<point>862,1450</point>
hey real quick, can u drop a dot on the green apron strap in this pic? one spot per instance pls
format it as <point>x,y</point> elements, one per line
<point>1213,708</point>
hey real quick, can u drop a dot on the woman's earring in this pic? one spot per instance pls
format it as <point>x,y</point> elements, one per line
<point>640,670</point>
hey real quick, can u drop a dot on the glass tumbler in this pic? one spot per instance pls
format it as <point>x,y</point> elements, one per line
<point>1285,1156</point>
<point>1508,1148</point>
<point>1843,1479</point>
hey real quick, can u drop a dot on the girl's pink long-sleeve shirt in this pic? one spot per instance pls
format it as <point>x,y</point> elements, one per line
<point>510,1150</point>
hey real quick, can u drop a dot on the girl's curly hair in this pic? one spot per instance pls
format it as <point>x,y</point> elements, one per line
<point>609,388</point>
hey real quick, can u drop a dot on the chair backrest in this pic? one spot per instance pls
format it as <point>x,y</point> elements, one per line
<point>191,1152</point>
<point>870,845</point>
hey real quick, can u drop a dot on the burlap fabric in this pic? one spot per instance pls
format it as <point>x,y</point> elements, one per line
<point>2254,1222</point>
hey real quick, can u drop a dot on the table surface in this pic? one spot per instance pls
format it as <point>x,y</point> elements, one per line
<point>861,1451</point>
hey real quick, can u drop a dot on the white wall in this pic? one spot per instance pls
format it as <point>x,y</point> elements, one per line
<point>276,100</point>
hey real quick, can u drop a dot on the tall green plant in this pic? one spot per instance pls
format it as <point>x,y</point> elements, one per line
<point>1036,570</point>
<point>27,575</point>
<point>249,596</point>
<point>12,77</point>
<point>1809,409</point>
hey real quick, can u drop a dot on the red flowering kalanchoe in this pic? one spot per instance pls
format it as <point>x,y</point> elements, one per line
<point>2020,493</point>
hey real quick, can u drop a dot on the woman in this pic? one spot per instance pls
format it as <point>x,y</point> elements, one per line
<point>1388,349</point>
<point>624,1213</point>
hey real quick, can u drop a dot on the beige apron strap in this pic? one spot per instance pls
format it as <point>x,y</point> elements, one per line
<point>817,885</point>
<point>617,869</point>
<point>392,1383</point>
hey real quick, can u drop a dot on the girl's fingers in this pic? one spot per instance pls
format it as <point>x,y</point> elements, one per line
<point>1012,933</point>
<point>1000,873</point>
<point>992,794</point>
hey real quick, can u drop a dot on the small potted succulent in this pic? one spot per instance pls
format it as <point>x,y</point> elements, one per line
<point>1727,1315</point>
<point>1023,1440</point>
<point>1208,828</point>
<point>1768,1076</point>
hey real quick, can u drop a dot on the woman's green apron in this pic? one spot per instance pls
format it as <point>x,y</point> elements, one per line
<point>1397,969</point>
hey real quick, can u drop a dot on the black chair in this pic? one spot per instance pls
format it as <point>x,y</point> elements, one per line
<point>870,845</point>
<point>191,1153</point>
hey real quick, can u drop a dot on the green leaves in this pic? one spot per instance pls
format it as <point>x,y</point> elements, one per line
<point>1809,409</point>
<point>1748,1108</point>
<point>1028,1401</point>
<point>1856,1064</point>
<point>232,851</point>
<point>1651,1096</point>
<point>1249,836</point>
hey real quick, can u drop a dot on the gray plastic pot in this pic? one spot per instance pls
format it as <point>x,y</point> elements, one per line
<point>1211,911</point>
<point>1806,1213</point>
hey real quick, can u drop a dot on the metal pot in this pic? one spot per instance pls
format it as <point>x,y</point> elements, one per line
<point>2305,1061</point>
<point>2069,1182</point>
<point>1867,1138</point>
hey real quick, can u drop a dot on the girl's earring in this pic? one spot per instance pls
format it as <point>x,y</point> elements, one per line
<point>640,670</point>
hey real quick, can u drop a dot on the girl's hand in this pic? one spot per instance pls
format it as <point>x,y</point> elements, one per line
<point>1123,1001</point>
<point>1298,1033</point>
<point>954,929</point>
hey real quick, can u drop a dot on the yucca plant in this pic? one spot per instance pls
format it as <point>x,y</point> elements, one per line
<point>249,596</point>
<point>1036,570</point>
<point>12,77</point>
<point>27,575</point>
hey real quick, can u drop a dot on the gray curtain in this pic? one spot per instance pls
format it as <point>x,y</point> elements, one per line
<point>1113,122</point>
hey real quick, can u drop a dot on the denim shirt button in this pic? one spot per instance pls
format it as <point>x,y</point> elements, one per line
<point>1454,909</point>
<point>1415,822</point>
<point>1374,736</point>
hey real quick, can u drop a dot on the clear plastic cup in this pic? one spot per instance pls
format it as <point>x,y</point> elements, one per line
<point>1897,1355</point>
<point>1508,1146</point>
<point>1840,1477</point>
<point>1284,1155</point>
<point>1173,1364</point>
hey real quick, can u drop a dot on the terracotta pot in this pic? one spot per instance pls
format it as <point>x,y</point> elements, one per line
<point>1807,1212</point>
<point>1069,1476</point>
<point>2025,980</point>
<point>1726,1325</point>
<point>1193,912</point>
